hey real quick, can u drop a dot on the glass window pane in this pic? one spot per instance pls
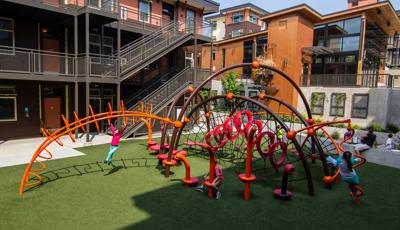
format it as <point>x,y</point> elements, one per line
<point>6,38</point>
<point>335,44</point>
<point>352,26</point>
<point>361,113</point>
<point>6,24</point>
<point>336,28</point>
<point>144,7</point>
<point>7,109</point>
<point>351,43</point>
<point>360,101</point>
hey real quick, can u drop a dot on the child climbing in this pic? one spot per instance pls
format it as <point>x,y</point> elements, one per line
<point>216,184</point>
<point>279,133</point>
<point>345,164</point>
<point>117,134</point>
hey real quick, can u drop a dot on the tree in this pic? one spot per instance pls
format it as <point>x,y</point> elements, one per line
<point>230,84</point>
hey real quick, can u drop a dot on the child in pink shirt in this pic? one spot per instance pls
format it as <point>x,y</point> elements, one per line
<point>117,134</point>
<point>216,184</point>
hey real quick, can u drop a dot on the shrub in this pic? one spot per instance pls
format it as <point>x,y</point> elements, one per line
<point>392,128</point>
<point>355,126</point>
<point>335,135</point>
<point>376,127</point>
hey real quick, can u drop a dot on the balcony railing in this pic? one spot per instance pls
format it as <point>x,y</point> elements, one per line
<point>351,80</point>
<point>41,62</point>
<point>110,6</point>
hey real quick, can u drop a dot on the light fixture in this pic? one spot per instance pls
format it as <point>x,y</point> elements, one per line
<point>44,29</point>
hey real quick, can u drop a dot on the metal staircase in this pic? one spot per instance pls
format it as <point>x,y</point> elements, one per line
<point>163,95</point>
<point>138,55</point>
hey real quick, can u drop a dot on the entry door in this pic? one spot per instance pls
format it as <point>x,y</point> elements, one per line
<point>51,63</point>
<point>189,59</point>
<point>52,112</point>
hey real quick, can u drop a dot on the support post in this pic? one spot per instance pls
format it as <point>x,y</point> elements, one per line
<point>87,69</point>
<point>76,103</point>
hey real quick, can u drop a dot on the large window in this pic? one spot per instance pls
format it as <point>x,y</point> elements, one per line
<point>237,17</point>
<point>144,11</point>
<point>317,103</point>
<point>6,34</point>
<point>360,106</point>
<point>338,102</point>
<point>261,46</point>
<point>8,103</point>
<point>253,18</point>
<point>237,33</point>
<point>343,38</point>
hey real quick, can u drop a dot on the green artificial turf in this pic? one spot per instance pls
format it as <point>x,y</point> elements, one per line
<point>138,197</point>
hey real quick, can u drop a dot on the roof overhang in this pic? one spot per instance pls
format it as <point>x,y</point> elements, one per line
<point>208,6</point>
<point>302,9</point>
<point>382,13</point>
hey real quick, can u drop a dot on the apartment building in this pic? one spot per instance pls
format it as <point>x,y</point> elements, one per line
<point>236,21</point>
<point>57,57</point>
<point>328,55</point>
<point>393,53</point>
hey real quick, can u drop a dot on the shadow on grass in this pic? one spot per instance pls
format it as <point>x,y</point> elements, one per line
<point>180,207</point>
<point>94,167</point>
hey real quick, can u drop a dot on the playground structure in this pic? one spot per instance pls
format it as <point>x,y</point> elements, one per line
<point>229,127</point>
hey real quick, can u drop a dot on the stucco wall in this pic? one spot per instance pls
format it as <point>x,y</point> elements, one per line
<point>379,104</point>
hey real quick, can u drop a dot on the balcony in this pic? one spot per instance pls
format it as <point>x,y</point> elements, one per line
<point>351,80</point>
<point>35,63</point>
<point>108,6</point>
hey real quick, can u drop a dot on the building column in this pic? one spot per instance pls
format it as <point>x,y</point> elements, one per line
<point>361,50</point>
<point>195,49</point>
<point>254,48</point>
<point>118,64</point>
<point>76,103</point>
<point>87,74</point>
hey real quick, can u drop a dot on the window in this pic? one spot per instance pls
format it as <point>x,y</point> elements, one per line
<point>96,48</point>
<point>261,46</point>
<point>338,102</point>
<point>236,33</point>
<point>124,13</point>
<point>8,103</point>
<point>253,18</point>
<point>144,11</point>
<point>335,44</point>
<point>352,26</point>
<point>360,106</point>
<point>6,34</point>
<point>237,17</point>
<point>223,58</point>
<point>213,55</point>
<point>354,4</point>
<point>317,103</point>
<point>351,43</point>
<point>214,26</point>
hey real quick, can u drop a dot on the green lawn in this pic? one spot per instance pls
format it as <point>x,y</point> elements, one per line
<point>138,197</point>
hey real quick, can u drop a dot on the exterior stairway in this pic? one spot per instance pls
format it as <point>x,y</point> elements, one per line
<point>161,96</point>
<point>138,55</point>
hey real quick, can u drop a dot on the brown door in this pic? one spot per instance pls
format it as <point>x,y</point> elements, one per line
<point>51,62</point>
<point>52,115</point>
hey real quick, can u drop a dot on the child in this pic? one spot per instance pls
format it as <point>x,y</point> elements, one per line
<point>117,134</point>
<point>216,184</point>
<point>279,133</point>
<point>389,142</point>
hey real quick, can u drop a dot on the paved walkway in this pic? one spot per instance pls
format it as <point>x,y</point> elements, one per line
<point>380,156</point>
<point>17,152</point>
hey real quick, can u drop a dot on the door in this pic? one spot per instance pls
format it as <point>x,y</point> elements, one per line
<point>52,112</point>
<point>51,62</point>
<point>189,59</point>
<point>190,16</point>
